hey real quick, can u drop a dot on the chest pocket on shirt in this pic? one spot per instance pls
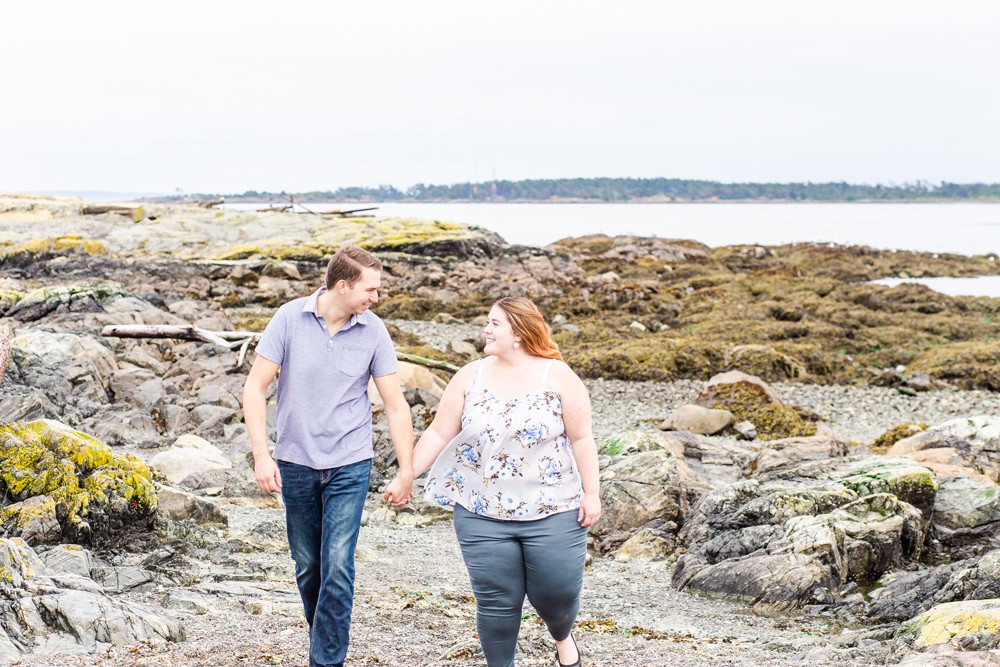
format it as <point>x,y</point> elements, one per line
<point>354,361</point>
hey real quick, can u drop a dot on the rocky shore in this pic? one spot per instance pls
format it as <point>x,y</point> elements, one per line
<point>798,467</point>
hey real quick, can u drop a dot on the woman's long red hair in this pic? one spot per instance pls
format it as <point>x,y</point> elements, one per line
<point>527,322</point>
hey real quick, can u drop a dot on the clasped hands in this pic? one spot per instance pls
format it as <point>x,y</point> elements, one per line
<point>400,490</point>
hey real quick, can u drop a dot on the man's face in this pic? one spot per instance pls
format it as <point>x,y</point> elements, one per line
<point>364,293</point>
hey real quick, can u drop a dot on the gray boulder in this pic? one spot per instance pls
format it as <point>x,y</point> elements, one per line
<point>189,455</point>
<point>905,595</point>
<point>966,516</point>
<point>51,612</point>
<point>643,488</point>
<point>794,534</point>
<point>975,441</point>
<point>178,505</point>
<point>776,453</point>
<point>69,559</point>
<point>698,419</point>
<point>136,386</point>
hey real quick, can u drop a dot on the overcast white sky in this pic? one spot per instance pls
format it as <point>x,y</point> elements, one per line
<point>228,96</point>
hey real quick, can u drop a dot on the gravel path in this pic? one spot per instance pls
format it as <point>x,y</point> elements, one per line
<point>413,607</point>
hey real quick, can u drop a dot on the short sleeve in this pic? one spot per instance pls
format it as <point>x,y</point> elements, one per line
<point>384,361</point>
<point>271,345</point>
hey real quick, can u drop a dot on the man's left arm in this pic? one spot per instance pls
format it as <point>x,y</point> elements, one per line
<point>397,414</point>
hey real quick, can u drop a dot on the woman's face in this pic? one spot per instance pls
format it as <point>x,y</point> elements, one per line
<point>499,335</point>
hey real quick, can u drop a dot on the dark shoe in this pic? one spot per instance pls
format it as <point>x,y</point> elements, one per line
<point>579,658</point>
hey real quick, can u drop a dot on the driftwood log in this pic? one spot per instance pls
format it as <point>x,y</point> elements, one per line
<point>231,339</point>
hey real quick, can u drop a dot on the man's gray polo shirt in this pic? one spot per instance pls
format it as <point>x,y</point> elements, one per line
<point>324,415</point>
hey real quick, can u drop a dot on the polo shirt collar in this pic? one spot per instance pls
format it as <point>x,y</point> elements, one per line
<point>313,301</point>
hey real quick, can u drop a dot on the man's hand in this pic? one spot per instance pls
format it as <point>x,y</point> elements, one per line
<point>267,474</point>
<point>399,492</point>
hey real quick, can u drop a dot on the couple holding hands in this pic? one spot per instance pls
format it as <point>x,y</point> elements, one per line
<point>510,448</point>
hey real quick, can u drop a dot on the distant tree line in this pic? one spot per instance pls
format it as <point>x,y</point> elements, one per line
<point>639,189</point>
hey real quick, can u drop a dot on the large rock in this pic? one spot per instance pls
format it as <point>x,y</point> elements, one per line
<point>69,559</point>
<point>797,532</point>
<point>905,595</point>
<point>136,386</point>
<point>66,612</point>
<point>178,505</point>
<point>776,453</point>
<point>973,440</point>
<point>189,455</point>
<point>967,514</point>
<point>411,376</point>
<point>61,298</point>
<point>97,496</point>
<point>808,558</point>
<point>83,363</point>
<point>697,419</point>
<point>654,486</point>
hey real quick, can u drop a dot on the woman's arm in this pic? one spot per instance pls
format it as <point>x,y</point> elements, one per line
<point>579,429</point>
<point>447,422</point>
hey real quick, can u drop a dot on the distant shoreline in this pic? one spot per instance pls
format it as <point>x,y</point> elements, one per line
<point>361,202</point>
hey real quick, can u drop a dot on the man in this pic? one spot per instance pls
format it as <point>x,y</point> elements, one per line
<point>327,346</point>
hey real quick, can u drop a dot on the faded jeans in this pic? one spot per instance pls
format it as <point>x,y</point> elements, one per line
<point>323,517</point>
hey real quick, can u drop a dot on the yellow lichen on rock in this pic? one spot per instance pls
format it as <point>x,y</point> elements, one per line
<point>77,472</point>
<point>58,245</point>
<point>324,237</point>
<point>952,620</point>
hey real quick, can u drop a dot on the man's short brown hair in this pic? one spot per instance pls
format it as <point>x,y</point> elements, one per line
<point>347,263</point>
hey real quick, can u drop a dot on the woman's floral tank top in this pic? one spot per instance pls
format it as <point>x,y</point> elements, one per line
<point>511,460</point>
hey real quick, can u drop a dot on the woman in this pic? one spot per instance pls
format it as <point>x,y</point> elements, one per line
<point>513,452</point>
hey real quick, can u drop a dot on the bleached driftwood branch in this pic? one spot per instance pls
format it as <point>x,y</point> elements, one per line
<point>230,339</point>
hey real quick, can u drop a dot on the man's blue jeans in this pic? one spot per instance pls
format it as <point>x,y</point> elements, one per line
<point>323,517</point>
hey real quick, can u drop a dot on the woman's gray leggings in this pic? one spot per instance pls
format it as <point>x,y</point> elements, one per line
<point>509,559</point>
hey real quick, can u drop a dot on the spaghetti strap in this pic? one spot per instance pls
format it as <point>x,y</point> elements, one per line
<point>545,374</point>
<point>478,381</point>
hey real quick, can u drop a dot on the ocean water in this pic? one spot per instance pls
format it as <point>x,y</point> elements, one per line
<point>968,229</point>
<point>960,228</point>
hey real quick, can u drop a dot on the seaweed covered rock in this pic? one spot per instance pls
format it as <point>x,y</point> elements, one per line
<point>749,398</point>
<point>48,610</point>
<point>50,471</point>
<point>897,433</point>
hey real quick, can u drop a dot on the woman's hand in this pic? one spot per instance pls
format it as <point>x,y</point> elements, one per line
<point>590,510</point>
